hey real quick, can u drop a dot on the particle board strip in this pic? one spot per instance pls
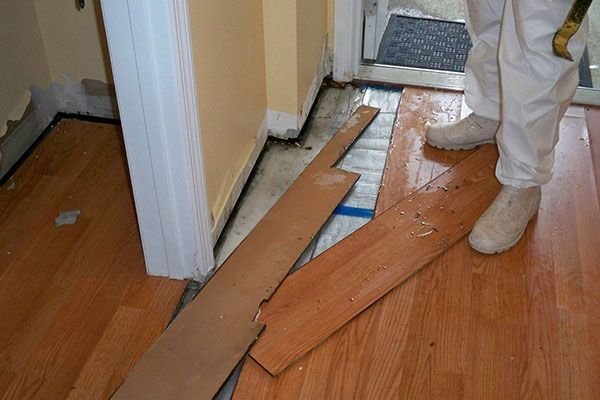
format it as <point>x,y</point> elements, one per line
<point>335,287</point>
<point>199,350</point>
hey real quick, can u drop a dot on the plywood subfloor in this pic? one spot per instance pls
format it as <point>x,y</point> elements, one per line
<point>77,309</point>
<point>520,325</point>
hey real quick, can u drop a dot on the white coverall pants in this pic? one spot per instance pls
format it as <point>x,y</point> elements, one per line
<point>512,76</point>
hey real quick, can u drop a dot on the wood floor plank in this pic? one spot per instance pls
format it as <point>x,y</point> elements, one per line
<point>222,316</point>
<point>518,325</point>
<point>332,289</point>
<point>410,163</point>
<point>62,289</point>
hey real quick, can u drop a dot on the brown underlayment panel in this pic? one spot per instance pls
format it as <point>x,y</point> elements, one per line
<point>204,344</point>
<point>523,324</point>
<point>329,291</point>
<point>77,309</point>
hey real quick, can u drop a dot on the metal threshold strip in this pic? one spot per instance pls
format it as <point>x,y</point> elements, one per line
<point>443,80</point>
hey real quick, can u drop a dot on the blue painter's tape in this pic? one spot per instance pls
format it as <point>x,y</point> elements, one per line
<point>354,212</point>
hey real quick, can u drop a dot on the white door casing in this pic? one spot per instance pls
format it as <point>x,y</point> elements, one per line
<point>152,62</point>
<point>375,21</point>
<point>346,39</point>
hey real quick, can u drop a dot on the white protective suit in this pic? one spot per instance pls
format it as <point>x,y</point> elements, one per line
<point>513,76</point>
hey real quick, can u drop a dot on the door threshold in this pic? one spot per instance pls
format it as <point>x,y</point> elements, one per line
<point>406,76</point>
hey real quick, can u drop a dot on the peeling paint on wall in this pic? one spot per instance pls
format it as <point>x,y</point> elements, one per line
<point>89,97</point>
<point>17,113</point>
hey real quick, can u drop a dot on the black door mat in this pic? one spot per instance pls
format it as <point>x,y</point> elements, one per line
<point>438,45</point>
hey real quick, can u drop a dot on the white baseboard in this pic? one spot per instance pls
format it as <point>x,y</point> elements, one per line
<point>282,125</point>
<point>85,98</point>
<point>240,182</point>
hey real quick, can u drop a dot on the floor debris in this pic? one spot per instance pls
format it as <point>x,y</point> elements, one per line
<point>67,218</point>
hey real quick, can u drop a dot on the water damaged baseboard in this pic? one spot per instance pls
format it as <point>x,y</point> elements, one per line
<point>89,97</point>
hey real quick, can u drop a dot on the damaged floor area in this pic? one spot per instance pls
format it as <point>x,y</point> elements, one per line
<point>281,163</point>
<point>77,309</point>
<point>522,324</point>
<point>366,314</point>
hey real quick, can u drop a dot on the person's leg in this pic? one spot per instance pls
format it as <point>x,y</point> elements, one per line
<point>536,89</point>
<point>482,93</point>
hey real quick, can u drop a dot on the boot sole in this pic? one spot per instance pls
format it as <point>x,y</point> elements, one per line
<point>466,146</point>
<point>509,246</point>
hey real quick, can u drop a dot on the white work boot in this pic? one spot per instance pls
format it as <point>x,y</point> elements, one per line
<point>465,134</point>
<point>503,223</point>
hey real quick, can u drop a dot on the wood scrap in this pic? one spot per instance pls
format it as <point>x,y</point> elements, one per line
<point>198,351</point>
<point>332,289</point>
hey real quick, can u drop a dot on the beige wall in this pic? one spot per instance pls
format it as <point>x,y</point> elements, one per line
<point>228,42</point>
<point>23,58</point>
<point>330,21</point>
<point>294,37</point>
<point>281,41</point>
<point>312,30</point>
<point>74,40</point>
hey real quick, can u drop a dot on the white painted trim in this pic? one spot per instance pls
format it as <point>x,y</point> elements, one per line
<point>376,18</point>
<point>240,182</point>
<point>382,20</point>
<point>587,96</point>
<point>411,76</point>
<point>153,70</point>
<point>282,125</point>
<point>444,80</point>
<point>347,33</point>
<point>370,30</point>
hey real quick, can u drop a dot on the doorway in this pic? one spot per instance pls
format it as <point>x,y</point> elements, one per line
<point>425,43</point>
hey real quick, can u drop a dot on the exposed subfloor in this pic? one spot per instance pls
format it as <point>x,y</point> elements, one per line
<point>77,309</point>
<point>281,163</point>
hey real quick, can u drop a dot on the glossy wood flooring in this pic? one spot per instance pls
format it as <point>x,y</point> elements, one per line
<point>521,325</point>
<point>76,307</point>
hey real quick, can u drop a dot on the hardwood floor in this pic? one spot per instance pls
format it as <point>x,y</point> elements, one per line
<point>521,325</point>
<point>76,307</point>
